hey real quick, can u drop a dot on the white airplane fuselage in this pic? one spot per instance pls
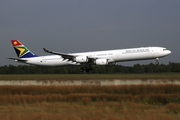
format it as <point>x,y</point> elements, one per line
<point>119,55</point>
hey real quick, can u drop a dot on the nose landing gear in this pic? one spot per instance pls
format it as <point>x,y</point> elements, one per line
<point>157,61</point>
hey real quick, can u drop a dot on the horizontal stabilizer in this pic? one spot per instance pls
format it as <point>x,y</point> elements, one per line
<point>18,60</point>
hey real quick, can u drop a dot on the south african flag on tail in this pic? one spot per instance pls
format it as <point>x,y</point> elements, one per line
<point>21,50</point>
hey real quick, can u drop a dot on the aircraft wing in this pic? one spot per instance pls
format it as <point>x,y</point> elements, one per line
<point>68,56</point>
<point>64,55</point>
<point>71,57</point>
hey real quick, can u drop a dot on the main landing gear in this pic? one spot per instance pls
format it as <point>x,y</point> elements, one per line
<point>85,68</point>
<point>157,61</point>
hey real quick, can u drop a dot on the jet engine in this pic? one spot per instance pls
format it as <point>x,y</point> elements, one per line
<point>81,59</point>
<point>101,62</point>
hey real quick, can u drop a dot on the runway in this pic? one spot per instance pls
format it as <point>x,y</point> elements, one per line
<point>90,82</point>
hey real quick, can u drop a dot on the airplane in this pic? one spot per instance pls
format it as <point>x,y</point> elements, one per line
<point>87,59</point>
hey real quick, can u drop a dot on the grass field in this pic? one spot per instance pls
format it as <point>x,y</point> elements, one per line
<point>93,111</point>
<point>88,76</point>
<point>134,102</point>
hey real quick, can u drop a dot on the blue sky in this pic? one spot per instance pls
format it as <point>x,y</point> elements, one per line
<point>77,26</point>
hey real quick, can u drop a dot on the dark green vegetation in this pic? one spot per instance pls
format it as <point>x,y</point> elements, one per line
<point>150,68</point>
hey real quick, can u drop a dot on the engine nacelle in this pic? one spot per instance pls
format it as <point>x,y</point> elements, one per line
<point>81,59</point>
<point>101,62</point>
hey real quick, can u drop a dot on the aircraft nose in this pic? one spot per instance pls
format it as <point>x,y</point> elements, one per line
<point>169,52</point>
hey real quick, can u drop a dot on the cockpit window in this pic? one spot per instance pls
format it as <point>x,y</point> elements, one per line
<point>164,49</point>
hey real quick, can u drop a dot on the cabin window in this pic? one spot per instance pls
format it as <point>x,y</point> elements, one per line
<point>101,54</point>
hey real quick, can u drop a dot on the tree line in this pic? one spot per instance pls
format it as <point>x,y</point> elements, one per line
<point>137,68</point>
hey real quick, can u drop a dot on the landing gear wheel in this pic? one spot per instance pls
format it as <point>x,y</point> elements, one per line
<point>90,68</point>
<point>83,68</point>
<point>157,61</point>
<point>87,69</point>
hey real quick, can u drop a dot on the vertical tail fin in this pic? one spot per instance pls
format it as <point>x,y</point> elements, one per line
<point>21,50</point>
